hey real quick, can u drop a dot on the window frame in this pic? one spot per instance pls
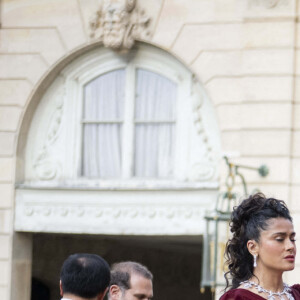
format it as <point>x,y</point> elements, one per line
<point>197,140</point>
<point>146,59</point>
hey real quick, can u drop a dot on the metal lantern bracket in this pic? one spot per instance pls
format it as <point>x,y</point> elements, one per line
<point>221,213</point>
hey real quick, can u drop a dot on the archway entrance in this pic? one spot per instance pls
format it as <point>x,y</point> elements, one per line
<point>174,261</point>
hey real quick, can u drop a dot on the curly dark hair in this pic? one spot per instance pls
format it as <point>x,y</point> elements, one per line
<point>247,221</point>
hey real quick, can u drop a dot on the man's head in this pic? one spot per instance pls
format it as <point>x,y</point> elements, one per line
<point>86,276</point>
<point>130,281</point>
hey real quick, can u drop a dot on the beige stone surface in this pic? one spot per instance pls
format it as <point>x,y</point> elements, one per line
<point>225,90</point>
<point>7,143</point>
<point>6,169</point>
<point>5,247</point>
<point>175,13</point>
<point>5,221</point>
<point>297,28</point>
<point>231,141</point>
<point>297,86</point>
<point>14,92</point>
<point>266,115</point>
<point>250,89</point>
<point>278,191</point>
<point>6,192</point>
<point>229,116</point>
<point>46,42</point>
<point>268,61</point>
<point>296,110</point>
<point>22,66</point>
<point>195,38</point>
<point>21,273</point>
<point>297,64</point>
<point>295,196</point>
<point>263,88</point>
<point>262,142</point>
<point>60,14</point>
<point>4,293</point>
<point>4,274</point>
<point>268,34</point>
<point>296,144</point>
<point>216,64</point>
<point>9,118</point>
<point>295,170</point>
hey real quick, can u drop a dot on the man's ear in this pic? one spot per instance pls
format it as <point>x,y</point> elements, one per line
<point>115,292</point>
<point>253,247</point>
<point>61,289</point>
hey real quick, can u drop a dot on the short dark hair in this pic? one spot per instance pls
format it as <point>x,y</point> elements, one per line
<point>121,273</point>
<point>85,275</point>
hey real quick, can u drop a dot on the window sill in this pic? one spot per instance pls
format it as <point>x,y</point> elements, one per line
<point>88,184</point>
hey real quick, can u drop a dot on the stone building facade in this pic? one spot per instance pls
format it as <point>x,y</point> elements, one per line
<point>234,67</point>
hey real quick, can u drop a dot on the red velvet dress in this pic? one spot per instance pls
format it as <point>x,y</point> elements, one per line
<point>242,294</point>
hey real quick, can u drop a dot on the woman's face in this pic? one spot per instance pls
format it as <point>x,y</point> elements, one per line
<point>276,247</point>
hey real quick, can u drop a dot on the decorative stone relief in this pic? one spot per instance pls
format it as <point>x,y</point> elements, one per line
<point>101,212</point>
<point>45,166</point>
<point>115,218</point>
<point>118,23</point>
<point>269,4</point>
<point>201,170</point>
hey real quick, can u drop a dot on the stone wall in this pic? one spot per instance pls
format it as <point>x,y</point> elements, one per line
<point>244,52</point>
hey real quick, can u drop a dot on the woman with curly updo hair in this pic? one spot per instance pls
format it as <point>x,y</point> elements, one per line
<point>262,247</point>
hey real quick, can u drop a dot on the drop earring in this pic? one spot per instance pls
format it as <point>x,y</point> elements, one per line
<point>254,261</point>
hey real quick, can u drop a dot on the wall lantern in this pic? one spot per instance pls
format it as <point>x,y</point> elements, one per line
<point>217,227</point>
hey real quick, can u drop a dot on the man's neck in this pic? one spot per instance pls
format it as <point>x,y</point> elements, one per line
<point>74,297</point>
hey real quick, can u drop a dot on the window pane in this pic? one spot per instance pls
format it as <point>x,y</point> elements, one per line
<point>104,97</point>
<point>103,110</point>
<point>154,150</point>
<point>155,97</point>
<point>155,114</point>
<point>102,150</point>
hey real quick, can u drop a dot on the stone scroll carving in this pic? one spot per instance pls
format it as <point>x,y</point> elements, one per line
<point>201,171</point>
<point>268,4</point>
<point>47,168</point>
<point>118,23</point>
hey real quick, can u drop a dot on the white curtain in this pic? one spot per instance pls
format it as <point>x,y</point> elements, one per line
<point>102,131</point>
<point>155,113</point>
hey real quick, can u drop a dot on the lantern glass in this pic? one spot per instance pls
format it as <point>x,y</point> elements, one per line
<point>214,243</point>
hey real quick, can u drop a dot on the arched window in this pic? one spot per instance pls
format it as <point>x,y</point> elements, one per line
<point>120,144</point>
<point>129,131</point>
<point>123,119</point>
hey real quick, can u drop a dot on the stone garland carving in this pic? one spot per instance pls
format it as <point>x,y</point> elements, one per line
<point>118,24</point>
<point>201,170</point>
<point>269,4</point>
<point>124,218</point>
<point>45,167</point>
<point>113,213</point>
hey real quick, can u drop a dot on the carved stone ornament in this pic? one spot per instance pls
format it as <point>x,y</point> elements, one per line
<point>45,167</point>
<point>269,4</point>
<point>118,23</point>
<point>200,170</point>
